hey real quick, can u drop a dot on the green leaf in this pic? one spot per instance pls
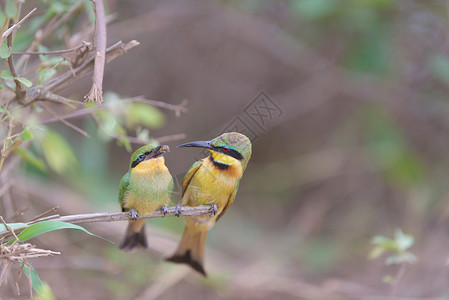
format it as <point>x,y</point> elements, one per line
<point>26,135</point>
<point>31,274</point>
<point>385,243</point>
<point>44,74</point>
<point>388,279</point>
<point>144,114</point>
<point>14,226</point>
<point>5,74</point>
<point>11,8</point>
<point>47,226</point>
<point>58,153</point>
<point>32,159</point>
<point>404,241</point>
<point>376,252</point>
<point>25,81</point>
<point>45,293</point>
<point>5,51</point>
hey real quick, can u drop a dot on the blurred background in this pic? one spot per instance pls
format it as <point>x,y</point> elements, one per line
<point>346,104</point>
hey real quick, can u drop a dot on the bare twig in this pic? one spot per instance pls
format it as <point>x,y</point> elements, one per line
<point>13,27</point>
<point>20,89</point>
<point>49,28</point>
<point>51,210</point>
<point>56,52</point>
<point>177,108</point>
<point>70,76</point>
<point>67,123</point>
<point>40,94</point>
<point>121,216</point>
<point>96,92</point>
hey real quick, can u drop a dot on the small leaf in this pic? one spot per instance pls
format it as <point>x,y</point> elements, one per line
<point>404,241</point>
<point>385,243</point>
<point>376,252</point>
<point>144,114</point>
<point>388,279</point>
<point>5,51</point>
<point>46,74</point>
<point>25,81</point>
<point>31,274</point>
<point>58,153</point>
<point>5,74</point>
<point>45,293</point>
<point>26,135</point>
<point>394,259</point>
<point>32,159</point>
<point>47,226</point>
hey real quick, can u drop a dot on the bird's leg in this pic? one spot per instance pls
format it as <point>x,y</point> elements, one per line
<point>164,209</point>
<point>213,210</point>
<point>178,209</point>
<point>134,214</point>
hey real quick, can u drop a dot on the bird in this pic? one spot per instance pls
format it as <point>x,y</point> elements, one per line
<point>213,180</point>
<point>145,188</point>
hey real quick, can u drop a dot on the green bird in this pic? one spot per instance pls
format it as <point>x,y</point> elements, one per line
<point>214,180</point>
<point>145,188</point>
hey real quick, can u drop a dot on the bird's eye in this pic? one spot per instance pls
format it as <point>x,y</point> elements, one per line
<point>226,149</point>
<point>141,157</point>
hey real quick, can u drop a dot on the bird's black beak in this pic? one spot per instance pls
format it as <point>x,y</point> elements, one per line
<point>199,144</point>
<point>158,151</point>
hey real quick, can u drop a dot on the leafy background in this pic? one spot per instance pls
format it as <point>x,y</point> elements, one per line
<point>346,194</point>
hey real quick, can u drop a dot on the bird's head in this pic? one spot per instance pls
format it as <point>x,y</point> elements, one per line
<point>227,148</point>
<point>147,153</point>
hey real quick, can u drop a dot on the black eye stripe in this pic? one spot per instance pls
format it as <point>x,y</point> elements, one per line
<point>230,152</point>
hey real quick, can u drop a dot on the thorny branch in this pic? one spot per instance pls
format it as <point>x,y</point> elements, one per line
<point>96,92</point>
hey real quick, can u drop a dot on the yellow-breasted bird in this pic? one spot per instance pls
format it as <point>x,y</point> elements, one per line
<point>143,189</point>
<point>214,180</point>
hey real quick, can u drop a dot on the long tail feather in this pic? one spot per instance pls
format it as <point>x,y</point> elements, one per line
<point>135,236</point>
<point>191,249</point>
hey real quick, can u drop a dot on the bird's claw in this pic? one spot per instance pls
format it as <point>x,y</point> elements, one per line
<point>178,210</point>
<point>164,210</point>
<point>213,210</point>
<point>134,214</point>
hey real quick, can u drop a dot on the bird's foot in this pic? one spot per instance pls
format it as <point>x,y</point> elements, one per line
<point>134,214</point>
<point>164,210</point>
<point>213,210</point>
<point>178,210</point>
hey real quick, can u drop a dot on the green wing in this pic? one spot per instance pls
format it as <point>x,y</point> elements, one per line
<point>124,183</point>
<point>230,201</point>
<point>189,175</point>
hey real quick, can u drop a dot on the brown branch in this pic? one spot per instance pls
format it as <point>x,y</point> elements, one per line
<point>56,52</point>
<point>177,108</point>
<point>40,94</point>
<point>49,28</point>
<point>20,88</point>
<point>121,216</point>
<point>96,92</point>
<point>67,78</point>
<point>16,26</point>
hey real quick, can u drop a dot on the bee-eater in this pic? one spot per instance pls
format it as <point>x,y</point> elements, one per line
<point>143,189</point>
<point>214,180</point>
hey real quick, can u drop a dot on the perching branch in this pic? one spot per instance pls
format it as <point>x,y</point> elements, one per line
<point>96,92</point>
<point>121,216</point>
